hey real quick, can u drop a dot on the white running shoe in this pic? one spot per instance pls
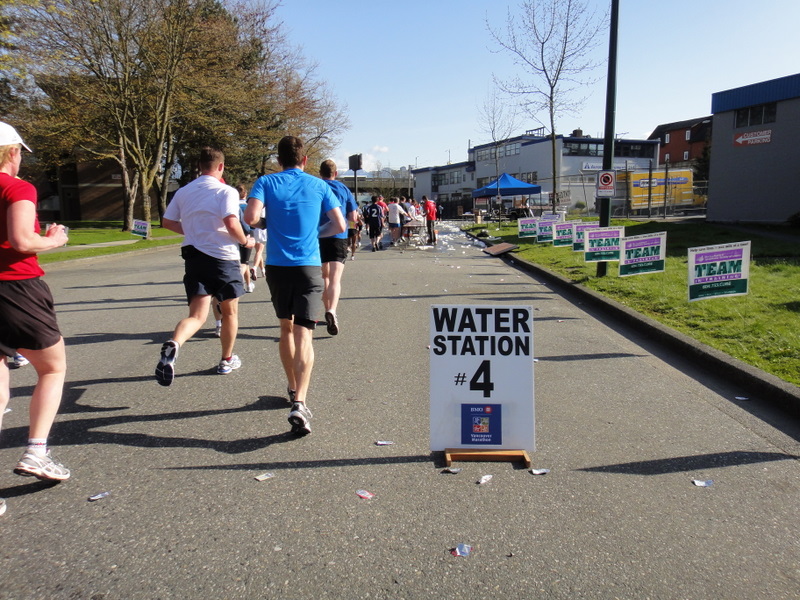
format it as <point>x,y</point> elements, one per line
<point>43,467</point>
<point>165,369</point>
<point>226,366</point>
<point>300,418</point>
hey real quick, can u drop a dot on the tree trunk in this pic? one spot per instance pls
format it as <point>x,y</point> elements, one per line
<point>145,190</point>
<point>162,196</point>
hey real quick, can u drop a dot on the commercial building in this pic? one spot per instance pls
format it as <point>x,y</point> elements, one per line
<point>528,157</point>
<point>754,152</point>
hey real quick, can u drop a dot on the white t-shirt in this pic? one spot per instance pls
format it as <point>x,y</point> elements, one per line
<point>201,206</point>
<point>395,210</point>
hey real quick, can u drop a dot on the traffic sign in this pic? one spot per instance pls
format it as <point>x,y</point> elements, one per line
<point>606,184</point>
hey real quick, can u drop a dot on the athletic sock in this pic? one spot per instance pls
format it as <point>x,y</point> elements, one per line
<point>37,446</point>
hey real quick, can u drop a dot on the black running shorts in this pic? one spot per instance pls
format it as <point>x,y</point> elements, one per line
<point>296,293</point>
<point>333,249</point>
<point>27,316</point>
<point>209,276</point>
<point>375,228</point>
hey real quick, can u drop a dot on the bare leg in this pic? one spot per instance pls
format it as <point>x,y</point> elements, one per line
<point>326,280</point>
<point>5,387</point>
<point>198,313</point>
<point>230,325</point>
<point>297,356</point>
<point>51,367</point>
<point>333,285</point>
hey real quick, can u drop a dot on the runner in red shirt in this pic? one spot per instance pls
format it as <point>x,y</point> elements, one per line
<point>27,316</point>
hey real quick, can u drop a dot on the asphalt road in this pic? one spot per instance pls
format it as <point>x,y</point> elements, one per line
<point>623,424</point>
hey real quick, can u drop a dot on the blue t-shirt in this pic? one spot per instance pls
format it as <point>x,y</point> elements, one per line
<point>348,204</point>
<point>295,202</point>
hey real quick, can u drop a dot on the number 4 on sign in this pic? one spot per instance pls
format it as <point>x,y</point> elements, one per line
<point>482,379</point>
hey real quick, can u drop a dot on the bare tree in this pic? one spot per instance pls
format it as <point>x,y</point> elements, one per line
<point>499,121</point>
<point>552,42</point>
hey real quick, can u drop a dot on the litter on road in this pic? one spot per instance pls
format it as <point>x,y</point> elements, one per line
<point>703,482</point>
<point>265,476</point>
<point>99,496</point>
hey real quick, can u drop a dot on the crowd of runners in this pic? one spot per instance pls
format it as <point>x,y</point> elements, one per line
<point>292,229</point>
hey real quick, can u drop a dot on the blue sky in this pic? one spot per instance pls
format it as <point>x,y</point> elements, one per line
<point>413,74</point>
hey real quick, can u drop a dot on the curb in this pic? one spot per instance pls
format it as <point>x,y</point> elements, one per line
<point>760,383</point>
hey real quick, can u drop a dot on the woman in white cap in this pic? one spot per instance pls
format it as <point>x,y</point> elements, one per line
<point>27,315</point>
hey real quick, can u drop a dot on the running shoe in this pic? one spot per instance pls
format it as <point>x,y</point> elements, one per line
<point>226,366</point>
<point>332,322</point>
<point>218,330</point>
<point>43,467</point>
<point>165,369</point>
<point>253,274</point>
<point>300,418</point>
<point>18,361</point>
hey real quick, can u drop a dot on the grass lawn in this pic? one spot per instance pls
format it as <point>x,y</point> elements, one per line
<point>761,328</point>
<point>96,232</point>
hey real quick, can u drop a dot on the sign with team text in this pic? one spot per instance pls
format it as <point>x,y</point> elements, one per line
<point>602,244</point>
<point>643,254</point>
<point>141,228</point>
<point>526,227</point>
<point>722,270</point>
<point>577,237</point>
<point>481,377</point>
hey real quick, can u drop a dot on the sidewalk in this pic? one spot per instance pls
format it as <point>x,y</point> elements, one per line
<point>624,425</point>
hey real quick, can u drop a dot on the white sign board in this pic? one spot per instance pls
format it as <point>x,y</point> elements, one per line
<point>722,270</point>
<point>606,184</point>
<point>141,228</point>
<point>481,362</point>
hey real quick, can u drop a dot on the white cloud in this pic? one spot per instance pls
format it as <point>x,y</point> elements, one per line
<point>380,149</point>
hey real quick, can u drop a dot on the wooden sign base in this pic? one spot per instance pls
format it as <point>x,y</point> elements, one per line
<point>479,455</point>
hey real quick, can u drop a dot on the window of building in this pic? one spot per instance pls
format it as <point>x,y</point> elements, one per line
<point>531,177</point>
<point>666,138</point>
<point>756,115</point>
<point>666,157</point>
<point>582,149</point>
<point>688,134</point>
<point>686,155</point>
<point>634,150</point>
<point>439,179</point>
<point>487,153</point>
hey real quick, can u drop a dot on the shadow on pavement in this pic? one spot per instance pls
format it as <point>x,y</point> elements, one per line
<point>691,463</point>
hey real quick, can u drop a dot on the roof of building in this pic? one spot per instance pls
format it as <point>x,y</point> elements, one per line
<point>774,90</point>
<point>458,165</point>
<point>660,130</point>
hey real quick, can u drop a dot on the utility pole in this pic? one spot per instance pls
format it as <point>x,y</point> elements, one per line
<point>611,104</point>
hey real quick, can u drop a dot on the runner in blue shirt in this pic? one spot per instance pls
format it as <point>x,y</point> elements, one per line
<point>333,249</point>
<point>294,202</point>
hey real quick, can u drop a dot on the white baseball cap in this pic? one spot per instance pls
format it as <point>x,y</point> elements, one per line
<point>9,135</point>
